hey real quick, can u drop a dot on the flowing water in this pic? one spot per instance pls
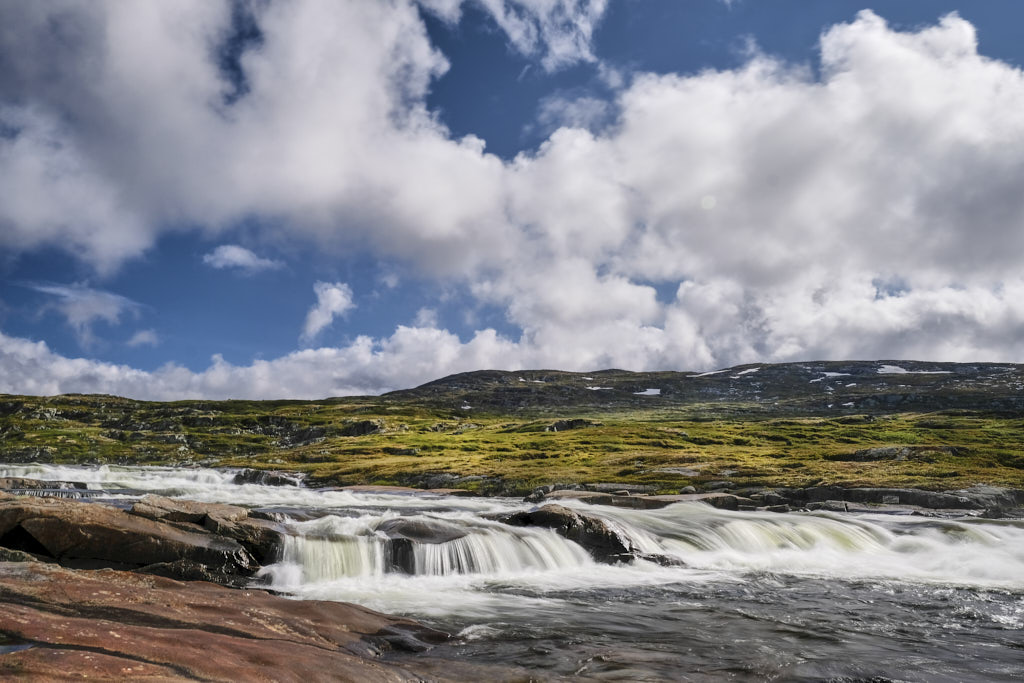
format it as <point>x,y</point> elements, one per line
<point>762,596</point>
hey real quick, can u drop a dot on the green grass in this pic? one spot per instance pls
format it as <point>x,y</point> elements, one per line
<point>707,442</point>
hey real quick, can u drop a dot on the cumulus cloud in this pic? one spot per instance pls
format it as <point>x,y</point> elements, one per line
<point>83,306</point>
<point>723,217</point>
<point>144,338</point>
<point>234,256</point>
<point>332,299</point>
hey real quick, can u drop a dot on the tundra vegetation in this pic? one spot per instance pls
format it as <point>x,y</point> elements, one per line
<point>930,426</point>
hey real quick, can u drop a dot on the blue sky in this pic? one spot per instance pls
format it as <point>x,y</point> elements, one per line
<point>268,199</point>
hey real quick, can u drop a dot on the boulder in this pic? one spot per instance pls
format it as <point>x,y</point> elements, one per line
<point>173,510</point>
<point>603,542</point>
<point>419,530</point>
<point>404,534</point>
<point>89,535</point>
<point>268,477</point>
<point>112,625</point>
<point>566,425</point>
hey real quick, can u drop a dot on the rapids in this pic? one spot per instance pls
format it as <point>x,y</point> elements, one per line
<point>798,596</point>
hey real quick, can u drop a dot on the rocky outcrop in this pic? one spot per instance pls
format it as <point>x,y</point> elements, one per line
<point>566,425</point>
<point>600,540</point>
<point>360,428</point>
<point>268,477</point>
<point>925,453</point>
<point>404,534</point>
<point>59,624</point>
<point>180,539</point>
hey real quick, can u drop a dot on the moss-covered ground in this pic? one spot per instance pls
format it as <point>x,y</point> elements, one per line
<point>410,443</point>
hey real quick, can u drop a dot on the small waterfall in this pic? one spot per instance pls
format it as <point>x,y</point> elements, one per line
<point>360,551</point>
<point>56,493</point>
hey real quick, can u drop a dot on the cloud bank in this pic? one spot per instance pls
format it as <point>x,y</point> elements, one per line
<point>764,213</point>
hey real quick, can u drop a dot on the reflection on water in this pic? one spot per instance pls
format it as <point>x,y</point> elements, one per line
<point>763,596</point>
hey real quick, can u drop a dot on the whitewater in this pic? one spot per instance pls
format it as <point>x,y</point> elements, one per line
<point>747,596</point>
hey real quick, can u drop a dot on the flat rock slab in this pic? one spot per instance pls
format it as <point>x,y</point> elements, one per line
<point>113,625</point>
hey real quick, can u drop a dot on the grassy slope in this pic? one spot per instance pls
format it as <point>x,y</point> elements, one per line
<point>664,447</point>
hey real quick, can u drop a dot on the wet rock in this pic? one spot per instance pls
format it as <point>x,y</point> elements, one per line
<point>405,533</point>
<point>268,477</point>
<point>603,542</point>
<point>90,535</point>
<point>420,530</point>
<point>22,483</point>
<point>111,625</point>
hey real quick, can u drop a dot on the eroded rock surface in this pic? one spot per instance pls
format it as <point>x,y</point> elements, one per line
<point>180,539</point>
<point>114,625</point>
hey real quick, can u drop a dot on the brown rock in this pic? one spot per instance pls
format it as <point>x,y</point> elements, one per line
<point>170,509</point>
<point>88,534</point>
<point>113,625</point>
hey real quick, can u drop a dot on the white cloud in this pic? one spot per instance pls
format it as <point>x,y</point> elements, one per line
<point>234,256</point>
<point>332,300</point>
<point>558,31</point>
<point>901,162</point>
<point>144,338</point>
<point>83,306</point>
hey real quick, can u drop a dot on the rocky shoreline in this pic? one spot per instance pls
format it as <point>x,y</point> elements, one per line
<point>167,589</point>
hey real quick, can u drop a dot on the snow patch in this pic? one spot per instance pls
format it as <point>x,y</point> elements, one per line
<point>648,392</point>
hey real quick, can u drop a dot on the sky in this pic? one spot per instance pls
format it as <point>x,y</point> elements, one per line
<point>312,198</point>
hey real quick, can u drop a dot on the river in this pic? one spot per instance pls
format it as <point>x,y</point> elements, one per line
<point>762,596</point>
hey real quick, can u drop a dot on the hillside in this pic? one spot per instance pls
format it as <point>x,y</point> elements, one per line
<point>893,423</point>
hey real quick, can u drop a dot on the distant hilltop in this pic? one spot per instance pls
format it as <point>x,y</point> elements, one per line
<point>818,387</point>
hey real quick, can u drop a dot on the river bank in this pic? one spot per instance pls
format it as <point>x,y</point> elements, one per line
<point>573,583</point>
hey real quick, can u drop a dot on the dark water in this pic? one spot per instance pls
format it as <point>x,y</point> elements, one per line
<point>763,627</point>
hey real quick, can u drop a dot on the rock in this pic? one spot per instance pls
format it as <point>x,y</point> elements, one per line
<point>829,506</point>
<point>594,534</point>
<point>112,625</point>
<point>895,453</point>
<point>688,489</point>
<point>21,483</point>
<point>777,508</point>
<point>171,509</point>
<point>268,477</point>
<point>617,489</point>
<point>7,555</point>
<point>419,530</point>
<point>921,498</point>
<point>360,428</point>
<point>715,485</point>
<point>566,425</point>
<point>90,535</point>
<point>404,534</point>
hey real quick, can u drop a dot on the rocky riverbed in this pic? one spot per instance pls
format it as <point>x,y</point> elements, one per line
<point>136,573</point>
